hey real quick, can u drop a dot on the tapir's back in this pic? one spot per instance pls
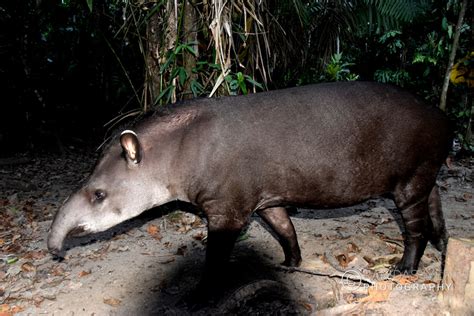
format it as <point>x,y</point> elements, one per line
<point>324,139</point>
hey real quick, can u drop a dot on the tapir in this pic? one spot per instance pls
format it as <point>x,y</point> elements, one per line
<point>318,146</point>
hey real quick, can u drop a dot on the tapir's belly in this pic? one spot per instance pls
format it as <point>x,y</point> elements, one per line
<point>311,184</point>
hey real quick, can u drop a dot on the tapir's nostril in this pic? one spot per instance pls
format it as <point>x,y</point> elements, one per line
<point>53,250</point>
<point>57,255</point>
<point>55,245</point>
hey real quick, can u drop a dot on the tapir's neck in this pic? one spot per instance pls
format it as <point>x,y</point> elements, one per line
<point>164,171</point>
<point>177,157</point>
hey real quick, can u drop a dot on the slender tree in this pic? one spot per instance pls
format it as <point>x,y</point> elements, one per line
<point>452,56</point>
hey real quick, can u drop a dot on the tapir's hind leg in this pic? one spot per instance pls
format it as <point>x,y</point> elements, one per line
<point>420,207</point>
<point>279,221</point>
<point>416,220</point>
<point>439,236</point>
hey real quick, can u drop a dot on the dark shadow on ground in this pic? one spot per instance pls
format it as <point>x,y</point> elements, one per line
<point>251,286</point>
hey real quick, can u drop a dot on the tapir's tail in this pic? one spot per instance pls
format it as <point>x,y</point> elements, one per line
<point>439,235</point>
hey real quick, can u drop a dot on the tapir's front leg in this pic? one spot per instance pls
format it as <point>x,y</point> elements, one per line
<point>221,237</point>
<point>224,227</point>
<point>220,242</point>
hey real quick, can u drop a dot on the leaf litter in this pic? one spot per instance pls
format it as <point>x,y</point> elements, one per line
<point>369,241</point>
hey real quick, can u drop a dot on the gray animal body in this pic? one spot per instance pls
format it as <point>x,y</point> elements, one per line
<point>322,146</point>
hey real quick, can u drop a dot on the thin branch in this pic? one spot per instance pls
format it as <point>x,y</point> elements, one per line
<point>342,275</point>
<point>444,91</point>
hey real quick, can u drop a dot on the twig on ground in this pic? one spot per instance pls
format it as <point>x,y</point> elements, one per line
<point>349,275</point>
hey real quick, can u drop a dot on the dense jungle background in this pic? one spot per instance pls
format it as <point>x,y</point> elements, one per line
<point>71,70</point>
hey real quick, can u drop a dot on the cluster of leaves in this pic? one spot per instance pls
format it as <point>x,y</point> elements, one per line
<point>416,56</point>
<point>192,49</point>
<point>338,70</point>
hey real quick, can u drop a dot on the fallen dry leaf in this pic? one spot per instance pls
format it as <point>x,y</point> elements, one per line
<point>84,273</point>
<point>405,279</point>
<point>13,248</point>
<point>369,260</point>
<point>200,236</point>
<point>37,300</point>
<point>154,231</point>
<point>379,292</point>
<point>198,223</point>
<point>28,267</point>
<point>307,306</point>
<point>184,229</point>
<point>112,301</point>
<point>35,255</point>
<point>15,238</point>
<point>352,247</point>
<point>429,282</point>
<point>344,259</point>
<point>57,271</point>
<point>103,250</point>
<point>7,310</point>
<point>4,308</point>
<point>349,297</point>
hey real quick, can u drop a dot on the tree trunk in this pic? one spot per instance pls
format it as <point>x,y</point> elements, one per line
<point>444,91</point>
<point>190,36</point>
<point>157,48</point>
<point>171,36</point>
<point>152,61</point>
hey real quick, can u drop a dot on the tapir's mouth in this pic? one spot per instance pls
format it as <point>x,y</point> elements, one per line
<point>77,231</point>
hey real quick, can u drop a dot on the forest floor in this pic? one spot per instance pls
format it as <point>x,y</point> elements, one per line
<point>147,265</point>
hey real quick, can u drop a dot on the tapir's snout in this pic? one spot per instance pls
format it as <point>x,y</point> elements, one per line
<point>55,245</point>
<point>63,225</point>
<point>58,234</point>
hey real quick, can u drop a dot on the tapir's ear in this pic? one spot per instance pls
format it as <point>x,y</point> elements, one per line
<point>131,146</point>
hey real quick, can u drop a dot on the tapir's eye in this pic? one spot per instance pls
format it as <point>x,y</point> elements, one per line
<point>99,195</point>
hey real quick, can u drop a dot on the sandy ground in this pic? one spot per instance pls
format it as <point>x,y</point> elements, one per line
<point>146,266</point>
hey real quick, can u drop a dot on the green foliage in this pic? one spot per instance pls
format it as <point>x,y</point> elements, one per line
<point>90,4</point>
<point>392,41</point>
<point>178,74</point>
<point>64,55</point>
<point>392,12</point>
<point>338,70</point>
<point>238,83</point>
<point>399,77</point>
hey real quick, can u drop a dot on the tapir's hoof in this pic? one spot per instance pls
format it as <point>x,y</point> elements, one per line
<point>440,244</point>
<point>403,268</point>
<point>292,262</point>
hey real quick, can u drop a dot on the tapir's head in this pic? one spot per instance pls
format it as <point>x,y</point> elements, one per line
<point>122,185</point>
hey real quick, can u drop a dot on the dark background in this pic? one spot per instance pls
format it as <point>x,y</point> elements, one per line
<point>62,66</point>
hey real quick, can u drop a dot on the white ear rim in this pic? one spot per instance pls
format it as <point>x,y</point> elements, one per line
<point>128,131</point>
